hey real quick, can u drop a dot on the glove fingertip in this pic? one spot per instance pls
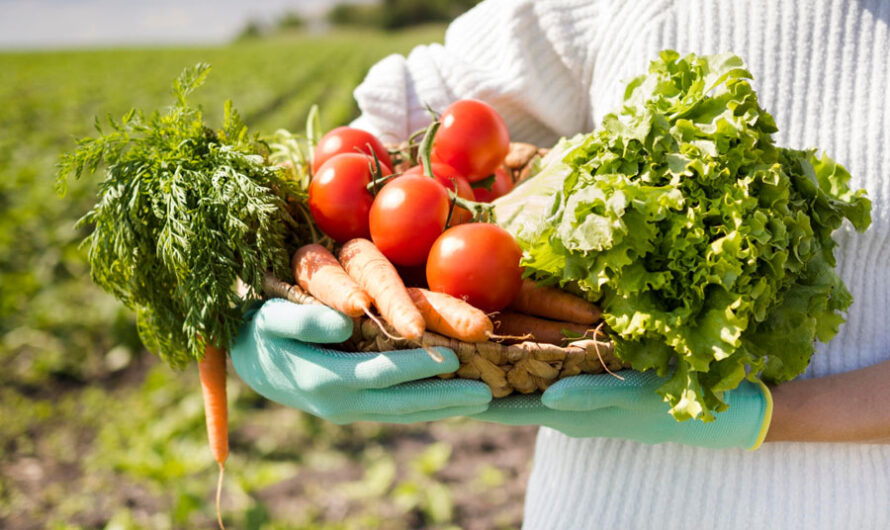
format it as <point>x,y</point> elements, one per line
<point>307,323</point>
<point>569,397</point>
<point>482,392</point>
<point>472,393</point>
<point>435,360</point>
<point>450,362</point>
<point>334,326</point>
<point>559,399</point>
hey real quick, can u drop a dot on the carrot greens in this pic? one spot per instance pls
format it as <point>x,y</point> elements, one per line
<point>183,212</point>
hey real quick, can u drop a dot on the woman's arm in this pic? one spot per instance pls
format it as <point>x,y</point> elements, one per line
<point>848,407</point>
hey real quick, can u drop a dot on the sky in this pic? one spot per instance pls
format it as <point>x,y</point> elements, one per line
<point>91,23</point>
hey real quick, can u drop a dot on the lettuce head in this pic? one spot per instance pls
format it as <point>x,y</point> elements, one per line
<point>708,247</point>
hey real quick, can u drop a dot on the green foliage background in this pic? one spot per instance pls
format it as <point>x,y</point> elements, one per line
<point>94,432</point>
<point>393,14</point>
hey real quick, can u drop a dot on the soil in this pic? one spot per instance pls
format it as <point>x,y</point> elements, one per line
<point>486,473</point>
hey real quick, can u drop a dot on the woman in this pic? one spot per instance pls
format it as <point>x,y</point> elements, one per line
<point>554,68</point>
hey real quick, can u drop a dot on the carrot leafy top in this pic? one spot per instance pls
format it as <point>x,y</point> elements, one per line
<point>182,213</point>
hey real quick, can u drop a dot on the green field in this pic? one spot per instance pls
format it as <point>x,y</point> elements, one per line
<point>94,432</point>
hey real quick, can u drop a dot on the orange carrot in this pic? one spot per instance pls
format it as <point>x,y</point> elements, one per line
<point>319,272</point>
<point>541,330</point>
<point>451,316</point>
<point>553,303</point>
<point>377,276</point>
<point>212,371</point>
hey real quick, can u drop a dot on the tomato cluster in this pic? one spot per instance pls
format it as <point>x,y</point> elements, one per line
<point>408,217</point>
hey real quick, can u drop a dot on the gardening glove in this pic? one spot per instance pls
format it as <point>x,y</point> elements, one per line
<point>603,406</point>
<point>275,355</point>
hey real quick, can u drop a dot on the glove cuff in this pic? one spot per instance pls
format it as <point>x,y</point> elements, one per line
<point>742,426</point>
<point>767,416</point>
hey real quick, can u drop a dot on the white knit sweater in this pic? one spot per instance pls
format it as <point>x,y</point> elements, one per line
<point>822,68</point>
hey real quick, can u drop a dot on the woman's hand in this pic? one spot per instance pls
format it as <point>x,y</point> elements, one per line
<point>603,406</point>
<point>848,407</point>
<point>275,355</point>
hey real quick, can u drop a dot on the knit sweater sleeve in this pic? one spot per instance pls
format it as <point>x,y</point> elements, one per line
<point>529,59</point>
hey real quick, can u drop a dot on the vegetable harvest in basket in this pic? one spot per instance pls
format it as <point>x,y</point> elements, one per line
<point>186,212</point>
<point>708,246</point>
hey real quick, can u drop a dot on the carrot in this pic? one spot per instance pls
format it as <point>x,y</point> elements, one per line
<point>212,371</point>
<point>377,276</point>
<point>319,272</point>
<point>553,303</point>
<point>539,329</point>
<point>451,316</point>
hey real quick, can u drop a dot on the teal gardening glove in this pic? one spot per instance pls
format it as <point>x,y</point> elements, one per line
<point>589,406</point>
<point>275,355</point>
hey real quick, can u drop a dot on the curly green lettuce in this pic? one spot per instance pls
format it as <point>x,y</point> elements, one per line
<point>708,246</point>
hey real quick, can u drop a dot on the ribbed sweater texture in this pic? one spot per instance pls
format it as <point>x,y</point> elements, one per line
<point>822,68</point>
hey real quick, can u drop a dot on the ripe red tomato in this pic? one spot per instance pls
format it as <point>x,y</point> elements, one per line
<point>348,140</point>
<point>339,200</point>
<point>478,262</point>
<point>407,216</point>
<point>452,180</point>
<point>502,185</point>
<point>473,139</point>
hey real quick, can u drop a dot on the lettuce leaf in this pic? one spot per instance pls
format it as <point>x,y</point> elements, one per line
<point>708,246</point>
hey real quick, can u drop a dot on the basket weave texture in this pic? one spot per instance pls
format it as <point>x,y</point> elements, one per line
<point>525,367</point>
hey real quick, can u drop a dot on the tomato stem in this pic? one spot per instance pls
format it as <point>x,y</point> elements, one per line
<point>433,113</point>
<point>376,160</point>
<point>450,208</point>
<point>426,148</point>
<point>377,182</point>
<point>482,212</point>
<point>376,170</point>
<point>415,135</point>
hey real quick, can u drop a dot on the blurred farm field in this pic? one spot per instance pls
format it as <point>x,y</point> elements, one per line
<point>94,432</point>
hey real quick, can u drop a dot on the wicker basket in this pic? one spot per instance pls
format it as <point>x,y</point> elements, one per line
<point>525,367</point>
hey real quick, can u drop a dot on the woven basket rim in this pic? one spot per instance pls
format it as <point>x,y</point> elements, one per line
<point>525,367</point>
